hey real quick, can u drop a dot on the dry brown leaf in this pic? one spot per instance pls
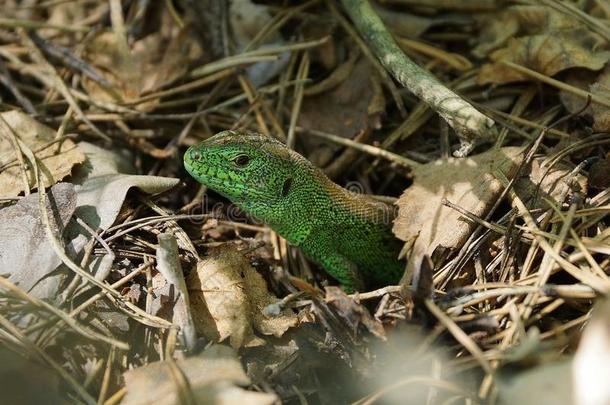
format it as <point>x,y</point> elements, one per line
<point>547,54</point>
<point>582,79</point>
<point>26,254</point>
<point>213,377</point>
<point>59,158</point>
<point>151,63</point>
<point>538,38</point>
<point>259,360</point>
<point>103,181</point>
<point>552,183</point>
<point>597,84</point>
<point>100,186</point>
<point>601,87</point>
<point>519,21</point>
<point>228,297</point>
<point>468,182</point>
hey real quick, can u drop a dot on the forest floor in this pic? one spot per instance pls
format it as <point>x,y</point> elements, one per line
<point>123,279</point>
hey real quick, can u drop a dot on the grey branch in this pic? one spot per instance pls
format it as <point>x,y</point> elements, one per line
<point>469,124</point>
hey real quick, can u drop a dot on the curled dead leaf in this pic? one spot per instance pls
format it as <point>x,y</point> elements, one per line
<point>145,66</point>
<point>598,84</point>
<point>518,21</point>
<point>228,298</point>
<point>539,38</point>
<point>543,183</point>
<point>26,254</point>
<point>469,183</point>
<point>58,158</point>
<point>547,54</point>
<point>96,197</point>
<point>211,377</point>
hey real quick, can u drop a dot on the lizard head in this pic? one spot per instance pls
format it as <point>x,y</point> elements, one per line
<point>247,168</point>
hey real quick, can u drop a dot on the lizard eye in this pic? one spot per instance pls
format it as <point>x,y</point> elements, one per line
<point>241,160</point>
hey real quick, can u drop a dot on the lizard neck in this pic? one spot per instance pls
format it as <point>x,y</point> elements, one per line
<point>301,209</point>
<point>314,201</point>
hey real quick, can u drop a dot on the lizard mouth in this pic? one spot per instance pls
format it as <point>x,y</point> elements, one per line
<point>223,182</point>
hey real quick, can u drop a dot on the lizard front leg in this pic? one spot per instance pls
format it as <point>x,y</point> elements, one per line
<point>320,247</point>
<point>344,271</point>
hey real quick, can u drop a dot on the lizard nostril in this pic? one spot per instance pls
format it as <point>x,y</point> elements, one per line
<point>195,155</point>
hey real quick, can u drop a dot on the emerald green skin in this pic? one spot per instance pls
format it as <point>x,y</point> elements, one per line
<point>348,234</point>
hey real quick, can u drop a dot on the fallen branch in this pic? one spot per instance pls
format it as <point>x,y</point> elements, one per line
<point>469,124</point>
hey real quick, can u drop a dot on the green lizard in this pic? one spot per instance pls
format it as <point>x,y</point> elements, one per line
<point>346,233</point>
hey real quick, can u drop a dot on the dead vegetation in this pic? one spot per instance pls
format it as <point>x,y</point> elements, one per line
<point>124,280</point>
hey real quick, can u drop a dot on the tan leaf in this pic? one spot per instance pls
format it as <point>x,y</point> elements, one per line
<point>597,84</point>
<point>228,298</point>
<point>97,193</point>
<point>520,21</point>
<point>539,38</point>
<point>58,158</point>
<point>213,377</point>
<point>468,182</point>
<point>149,64</point>
<point>103,181</point>
<point>546,53</point>
<point>26,254</point>
<point>544,182</point>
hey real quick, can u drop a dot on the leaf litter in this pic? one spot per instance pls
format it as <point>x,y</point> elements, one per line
<point>58,155</point>
<point>507,250</point>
